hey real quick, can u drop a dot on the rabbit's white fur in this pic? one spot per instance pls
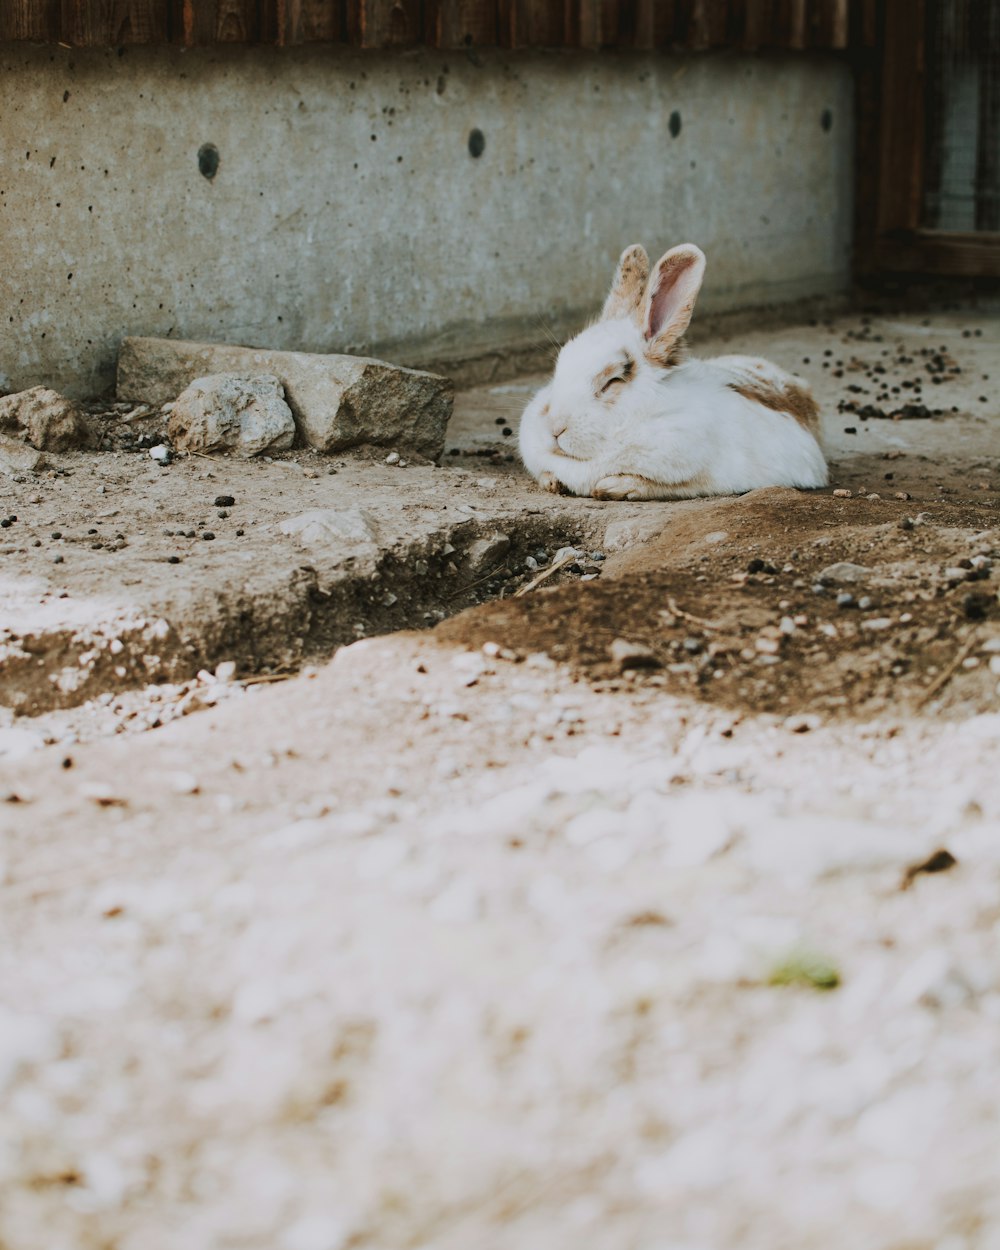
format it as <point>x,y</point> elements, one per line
<point>621,420</point>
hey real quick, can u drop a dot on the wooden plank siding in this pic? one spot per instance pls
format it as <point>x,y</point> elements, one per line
<point>640,25</point>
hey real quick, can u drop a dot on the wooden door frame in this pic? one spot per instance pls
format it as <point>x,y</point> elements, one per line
<point>893,88</point>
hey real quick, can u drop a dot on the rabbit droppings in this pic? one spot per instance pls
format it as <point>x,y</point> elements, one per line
<point>628,416</point>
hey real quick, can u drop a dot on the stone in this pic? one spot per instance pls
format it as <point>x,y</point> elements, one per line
<point>46,419</point>
<point>627,654</point>
<point>349,528</point>
<point>843,573</point>
<point>632,532</point>
<point>337,401</point>
<point>483,555</point>
<point>241,412</point>
<point>18,457</point>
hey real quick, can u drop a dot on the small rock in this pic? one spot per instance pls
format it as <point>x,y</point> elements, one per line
<point>494,651</point>
<point>566,554</point>
<point>841,494</point>
<point>622,534</point>
<point>102,794</point>
<point>17,457</point>
<point>845,600</point>
<point>245,413</point>
<point>484,554</point>
<point>350,528</point>
<point>160,453</point>
<point>877,623</point>
<point>224,501</point>
<point>392,457</point>
<point>629,655</point>
<point>940,861</point>
<point>48,420</point>
<point>844,573</point>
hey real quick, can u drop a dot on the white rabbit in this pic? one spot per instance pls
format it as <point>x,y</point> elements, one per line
<point>628,416</point>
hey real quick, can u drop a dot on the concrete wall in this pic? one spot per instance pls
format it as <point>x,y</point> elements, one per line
<point>348,213</point>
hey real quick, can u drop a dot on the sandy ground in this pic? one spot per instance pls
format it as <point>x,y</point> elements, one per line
<point>501,935</point>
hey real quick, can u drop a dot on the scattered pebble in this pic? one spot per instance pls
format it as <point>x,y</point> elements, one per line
<point>632,655</point>
<point>844,572</point>
<point>940,861</point>
<point>102,794</point>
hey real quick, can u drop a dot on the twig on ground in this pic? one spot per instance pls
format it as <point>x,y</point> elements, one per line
<point>949,672</point>
<point>681,615</point>
<point>500,568</point>
<point>545,573</point>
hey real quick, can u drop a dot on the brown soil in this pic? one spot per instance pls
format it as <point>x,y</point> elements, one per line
<point>713,624</point>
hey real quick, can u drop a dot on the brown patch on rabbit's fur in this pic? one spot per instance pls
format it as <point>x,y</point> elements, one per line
<point>629,285</point>
<point>677,354</point>
<point>620,369</point>
<point>788,397</point>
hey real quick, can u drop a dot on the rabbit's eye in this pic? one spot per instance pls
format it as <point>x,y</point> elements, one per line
<point>614,375</point>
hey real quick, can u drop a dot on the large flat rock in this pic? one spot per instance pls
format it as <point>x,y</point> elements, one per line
<point>337,401</point>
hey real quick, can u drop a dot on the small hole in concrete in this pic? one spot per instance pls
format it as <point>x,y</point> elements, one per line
<point>477,143</point>
<point>826,121</point>
<point>675,124</point>
<point>208,160</point>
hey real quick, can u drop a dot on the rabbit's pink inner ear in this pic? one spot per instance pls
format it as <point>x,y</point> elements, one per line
<point>673,291</point>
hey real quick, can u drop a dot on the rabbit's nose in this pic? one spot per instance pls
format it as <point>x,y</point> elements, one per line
<point>559,427</point>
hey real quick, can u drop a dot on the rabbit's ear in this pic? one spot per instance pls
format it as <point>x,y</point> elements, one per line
<point>625,297</point>
<point>670,298</point>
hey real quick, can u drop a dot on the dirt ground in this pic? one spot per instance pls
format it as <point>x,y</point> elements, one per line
<point>650,902</point>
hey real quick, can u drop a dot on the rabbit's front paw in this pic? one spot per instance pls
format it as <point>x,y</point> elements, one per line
<point>550,482</point>
<point>622,486</point>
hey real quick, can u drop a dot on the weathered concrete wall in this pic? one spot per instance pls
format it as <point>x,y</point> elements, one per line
<point>348,212</point>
